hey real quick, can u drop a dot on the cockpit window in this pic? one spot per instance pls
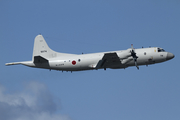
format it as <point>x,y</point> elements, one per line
<point>161,50</point>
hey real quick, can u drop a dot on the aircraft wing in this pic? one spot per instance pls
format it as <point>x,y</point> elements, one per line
<point>108,60</point>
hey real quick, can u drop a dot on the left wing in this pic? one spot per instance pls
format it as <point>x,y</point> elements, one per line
<point>108,60</point>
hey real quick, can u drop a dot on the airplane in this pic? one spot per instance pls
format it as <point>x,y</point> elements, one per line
<point>46,58</point>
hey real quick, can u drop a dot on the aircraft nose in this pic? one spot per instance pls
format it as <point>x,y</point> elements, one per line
<point>169,56</point>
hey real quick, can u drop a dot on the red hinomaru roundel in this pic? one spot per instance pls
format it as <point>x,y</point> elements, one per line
<point>73,62</point>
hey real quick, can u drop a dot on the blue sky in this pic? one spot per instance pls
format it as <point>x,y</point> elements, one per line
<point>89,26</point>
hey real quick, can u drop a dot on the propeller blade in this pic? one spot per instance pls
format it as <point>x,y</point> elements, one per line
<point>132,46</point>
<point>135,62</point>
<point>133,54</point>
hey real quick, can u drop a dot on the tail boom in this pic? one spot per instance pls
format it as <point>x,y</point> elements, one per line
<point>27,63</point>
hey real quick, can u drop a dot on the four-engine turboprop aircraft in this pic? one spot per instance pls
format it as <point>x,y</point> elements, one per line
<point>44,57</point>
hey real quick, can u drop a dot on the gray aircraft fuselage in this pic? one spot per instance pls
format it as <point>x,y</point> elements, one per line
<point>44,57</point>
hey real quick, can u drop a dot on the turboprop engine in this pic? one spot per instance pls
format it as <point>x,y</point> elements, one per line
<point>124,61</point>
<point>128,55</point>
<point>124,54</point>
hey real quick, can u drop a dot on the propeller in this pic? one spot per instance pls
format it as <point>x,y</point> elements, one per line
<point>133,54</point>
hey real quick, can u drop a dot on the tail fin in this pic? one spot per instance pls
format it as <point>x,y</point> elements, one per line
<point>41,53</point>
<point>42,49</point>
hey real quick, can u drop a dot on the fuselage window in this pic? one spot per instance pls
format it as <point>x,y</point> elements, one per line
<point>144,53</point>
<point>79,60</point>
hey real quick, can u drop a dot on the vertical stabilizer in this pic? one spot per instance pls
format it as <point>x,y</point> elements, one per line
<point>42,49</point>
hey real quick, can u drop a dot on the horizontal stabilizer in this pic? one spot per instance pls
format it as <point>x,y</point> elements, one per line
<point>39,59</point>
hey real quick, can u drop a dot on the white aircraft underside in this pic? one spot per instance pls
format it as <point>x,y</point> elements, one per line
<point>44,57</point>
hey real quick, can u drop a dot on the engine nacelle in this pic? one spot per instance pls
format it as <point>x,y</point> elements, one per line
<point>125,61</point>
<point>124,54</point>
